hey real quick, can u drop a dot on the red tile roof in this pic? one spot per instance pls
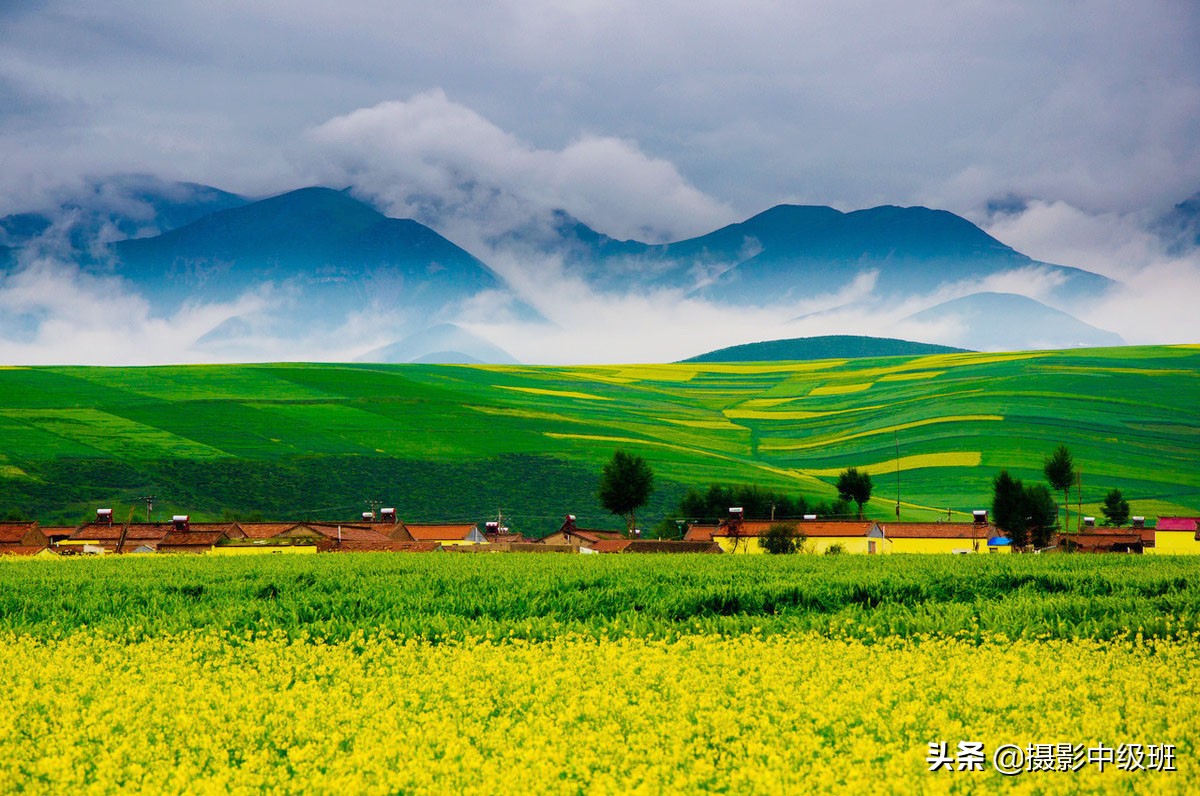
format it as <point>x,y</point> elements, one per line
<point>103,532</point>
<point>265,530</point>
<point>611,545</point>
<point>14,532</point>
<point>440,531</point>
<point>190,539</point>
<point>938,530</point>
<point>348,533</point>
<point>594,537</point>
<point>700,533</point>
<point>495,537</point>
<point>137,530</point>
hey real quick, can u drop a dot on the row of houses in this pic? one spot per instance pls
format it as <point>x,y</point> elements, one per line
<point>1171,535</point>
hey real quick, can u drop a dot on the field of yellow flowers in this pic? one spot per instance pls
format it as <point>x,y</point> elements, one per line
<point>762,708</point>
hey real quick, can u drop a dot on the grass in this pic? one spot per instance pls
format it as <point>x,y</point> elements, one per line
<point>456,597</point>
<point>459,442</point>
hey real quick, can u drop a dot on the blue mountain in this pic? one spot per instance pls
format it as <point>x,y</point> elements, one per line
<point>1010,322</point>
<point>793,252</point>
<point>1180,228</point>
<point>336,253</point>
<point>125,205</point>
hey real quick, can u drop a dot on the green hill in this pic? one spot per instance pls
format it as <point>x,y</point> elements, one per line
<point>833,346</point>
<point>461,442</point>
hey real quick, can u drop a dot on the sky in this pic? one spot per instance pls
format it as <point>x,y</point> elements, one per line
<point>1064,129</point>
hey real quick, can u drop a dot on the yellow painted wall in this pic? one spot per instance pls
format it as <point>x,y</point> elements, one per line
<point>742,544</point>
<point>1174,543</point>
<point>937,545</point>
<point>857,544</point>
<point>817,545</point>
<point>265,549</point>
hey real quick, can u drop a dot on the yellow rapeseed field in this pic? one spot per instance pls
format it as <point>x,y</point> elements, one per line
<point>213,712</point>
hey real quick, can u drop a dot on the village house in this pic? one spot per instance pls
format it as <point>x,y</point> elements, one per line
<point>977,536</point>
<point>181,536</point>
<point>22,539</point>
<point>447,534</point>
<point>1175,535</point>
<point>1105,540</point>
<point>653,546</point>
<point>194,542</point>
<point>738,535</point>
<point>583,538</point>
<point>105,536</point>
<point>331,536</point>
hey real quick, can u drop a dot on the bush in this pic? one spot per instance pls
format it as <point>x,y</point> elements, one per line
<point>782,538</point>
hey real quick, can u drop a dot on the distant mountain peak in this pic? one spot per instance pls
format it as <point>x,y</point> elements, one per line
<point>990,321</point>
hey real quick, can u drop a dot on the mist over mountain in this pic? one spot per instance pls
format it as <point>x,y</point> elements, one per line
<point>1181,226</point>
<point>792,252</point>
<point>114,208</point>
<point>1006,321</point>
<point>325,244</point>
<point>443,344</point>
<point>319,265</point>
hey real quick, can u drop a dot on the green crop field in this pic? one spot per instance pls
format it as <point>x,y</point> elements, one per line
<point>429,674</point>
<point>448,597</point>
<point>299,441</point>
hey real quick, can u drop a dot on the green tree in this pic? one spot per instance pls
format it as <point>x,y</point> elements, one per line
<point>854,486</point>
<point>1041,512</point>
<point>625,485</point>
<point>713,503</point>
<point>1008,508</point>
<point>1115,508</point>
<point>1060,472</point>
<point>782,538</point>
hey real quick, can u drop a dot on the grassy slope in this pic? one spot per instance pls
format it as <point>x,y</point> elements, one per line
<point>458,441</point>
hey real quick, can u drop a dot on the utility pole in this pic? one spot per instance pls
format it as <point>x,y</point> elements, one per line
<point>1079,499</point>
<point>897,433</point>
<point>149,506</point>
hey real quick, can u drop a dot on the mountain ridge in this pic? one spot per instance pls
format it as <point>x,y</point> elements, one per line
<point>838,346</point>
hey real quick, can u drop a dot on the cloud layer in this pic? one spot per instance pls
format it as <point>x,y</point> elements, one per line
<point>1092,103</point>
<point>441,162</point>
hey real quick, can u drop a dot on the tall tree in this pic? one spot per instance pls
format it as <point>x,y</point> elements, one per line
<point>1008,508</point>
<point>625,485</point>
<point>1042,514</point>
<point>855,486</point>
<point>1115,508</point>
<point>1060,472</point>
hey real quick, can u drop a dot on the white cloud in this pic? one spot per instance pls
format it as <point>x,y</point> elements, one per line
<point>1155,302</point>
<point>441,162</point>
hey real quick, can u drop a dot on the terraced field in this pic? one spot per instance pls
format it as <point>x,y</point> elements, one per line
<point>448,442</point>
